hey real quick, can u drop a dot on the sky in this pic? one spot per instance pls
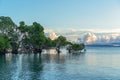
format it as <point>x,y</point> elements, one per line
<point>60,15</point>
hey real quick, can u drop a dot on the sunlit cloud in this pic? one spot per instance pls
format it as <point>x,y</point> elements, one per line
<point>101,38</point>
<point>89,36</point>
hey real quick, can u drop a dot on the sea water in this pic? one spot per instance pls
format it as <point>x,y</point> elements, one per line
<point>97,63</point>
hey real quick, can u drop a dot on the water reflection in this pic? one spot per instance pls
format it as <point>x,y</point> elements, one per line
<point>5,68</point>
<point>20,67</point>
<point>35,67</point>
<point>8,57</point>
<point>64,66</point>
<point>53,58</point>
<point>76,57</point>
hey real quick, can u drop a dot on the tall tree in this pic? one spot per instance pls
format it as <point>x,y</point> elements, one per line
<point>36,36</point>
<point>60,41</point>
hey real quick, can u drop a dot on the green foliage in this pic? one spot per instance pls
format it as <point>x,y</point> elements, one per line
<point>48,43</point>
<point>22,27</point>
<point>36,35</point>
<point>60,41</point>
<point>32,36</point>
<point>6,22</point>
<point>7,26</point>
<point>68,43</point>
<point>77,47</point>
<point>8,29</point>
<point>4,43</point>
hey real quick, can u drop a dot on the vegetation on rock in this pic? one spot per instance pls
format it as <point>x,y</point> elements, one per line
<point>78,47</point>
<point>28,37</point>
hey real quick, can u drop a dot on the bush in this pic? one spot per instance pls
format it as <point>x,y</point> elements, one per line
<point>4,44</point>
<point>77,47</point>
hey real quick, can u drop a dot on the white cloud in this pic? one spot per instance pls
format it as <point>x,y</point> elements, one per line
<point>102,38</point>
<point>89,36</point>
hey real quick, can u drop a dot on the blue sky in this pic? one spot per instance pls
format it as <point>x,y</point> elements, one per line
<point>65,14</point>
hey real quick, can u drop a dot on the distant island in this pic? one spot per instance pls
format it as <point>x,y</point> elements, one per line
<point>29,38</point>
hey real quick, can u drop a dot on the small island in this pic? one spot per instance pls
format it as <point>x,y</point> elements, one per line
<point>30,38</point>
<point>76,48</point>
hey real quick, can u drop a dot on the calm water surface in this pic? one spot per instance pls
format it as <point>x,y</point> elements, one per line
<point>98,63</point>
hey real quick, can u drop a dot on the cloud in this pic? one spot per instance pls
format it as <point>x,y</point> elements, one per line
<point>92,38</point>
<point>89,38</point>
<point>51,34</point>
<point>101,38</point>
<point>97,36</point>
